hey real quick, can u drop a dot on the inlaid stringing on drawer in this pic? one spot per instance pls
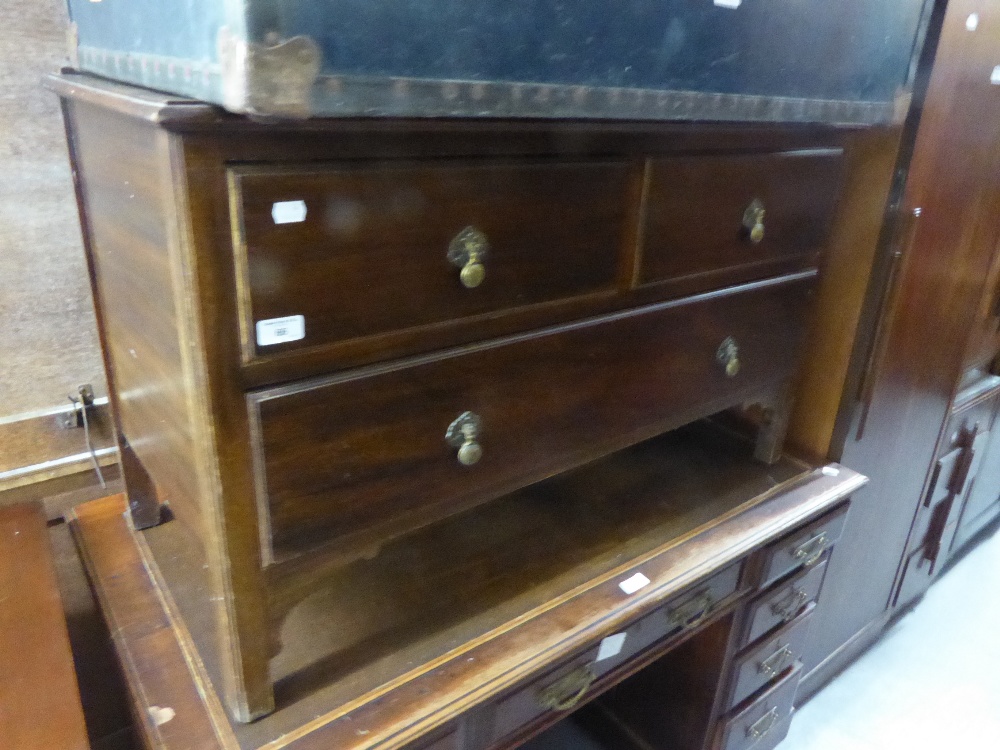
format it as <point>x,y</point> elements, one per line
<point>362,250</point>
<point>388,449</point>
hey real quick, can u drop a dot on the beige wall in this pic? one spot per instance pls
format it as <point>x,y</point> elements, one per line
<point>48,341</point>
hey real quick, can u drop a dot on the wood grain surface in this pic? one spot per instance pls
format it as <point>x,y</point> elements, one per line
<point>39,700</point>
<point>368,454</point>
<point>713,515</point>
<point>48,338</point>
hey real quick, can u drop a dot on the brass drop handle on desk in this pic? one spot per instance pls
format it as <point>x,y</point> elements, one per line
<point>463,434</point>
<point>568,691</point>
<point>810,551</point>
<point>728,355</point>
<point>692,612</point>
<point>788,607</point>
<point>760,728</point>
<point>468,250</point>
<point>772,665</point>
<point>753,221</point>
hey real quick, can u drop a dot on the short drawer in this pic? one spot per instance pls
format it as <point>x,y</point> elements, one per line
<point>686,610</point>
<point>723,219</point>
<point>804,548</point>
<point>376,453</point>
<point>769,660</point>
<point>565,688</point>
<point>782,604</point>
<point>560,690</point>
<point>764,723</point>
<point>358,251</point>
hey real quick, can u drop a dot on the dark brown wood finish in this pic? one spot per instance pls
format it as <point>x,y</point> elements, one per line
<point>945,254</point>
<point>698,229</point>
<point>770,659</point>
<point>372,253</point>
<point>428,701</point>
<point>143,280</point>
<point>170,317</point>
<point>38,691</point>
<point>368,452</point>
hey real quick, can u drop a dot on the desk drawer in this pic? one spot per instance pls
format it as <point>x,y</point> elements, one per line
<point>699,230</point>
<point>684,611</point>
<point>770,659</point>
<point>804,548</point>
<point>763,724</point>
<point>567,687</point>
<point>361,251</point>
<point>782,604</point>
<point>392,448</point>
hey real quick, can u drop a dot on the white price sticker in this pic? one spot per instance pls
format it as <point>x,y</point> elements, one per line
<point>633,583</point>
<point>281,330</point>
<point>288,212</point>
<point>611,646</point>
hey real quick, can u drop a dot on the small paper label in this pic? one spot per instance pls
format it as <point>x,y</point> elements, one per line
<point>281,330</point>
<point>831,471</point>
<point>972,22</point>
<point>728,3</point>
<point>995,76</point>
<point>634,583</point>
<point>288,212</point>
<point>611,646</point>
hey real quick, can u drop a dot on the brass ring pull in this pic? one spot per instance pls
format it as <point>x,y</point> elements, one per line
<point>760,728</point>
<point>772,665</point>
<point>468,250</point>
<point>810,551</point>
<point>568,691</point>
<point>463,434</point>
<point>691,613</point>
<point>790,605</point>
<point>753,221</point>
<point>728,355</point>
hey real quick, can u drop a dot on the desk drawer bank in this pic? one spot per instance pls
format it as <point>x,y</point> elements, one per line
<point>322,336</point>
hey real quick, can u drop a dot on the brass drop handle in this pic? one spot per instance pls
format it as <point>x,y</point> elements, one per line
<point>463,434</point>
<point>788,607</point>
<point>567,692</point>
<point>692,612</point>
<point>760,728</point>
<point>810,551</point>
<point>468,250</point>
<point>753,221</point>
<point>772,665</point>
<point>728,355</point>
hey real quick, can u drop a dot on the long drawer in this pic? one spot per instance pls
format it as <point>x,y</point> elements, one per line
<point>345,252</point>
<point>384,450</point>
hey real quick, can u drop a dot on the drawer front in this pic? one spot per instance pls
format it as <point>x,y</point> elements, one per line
<point>712,220</point>
<point>383,248</point>
<point>774,608</point>
<point>560,690</point>
<point>567,687</point>
<point>763,724</point>
<point>771,659</point>
<point>804,548</point>
<point>685,611</point>
<point>397,447</point>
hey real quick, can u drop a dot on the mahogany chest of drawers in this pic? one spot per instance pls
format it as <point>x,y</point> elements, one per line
<point>323,336</point>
